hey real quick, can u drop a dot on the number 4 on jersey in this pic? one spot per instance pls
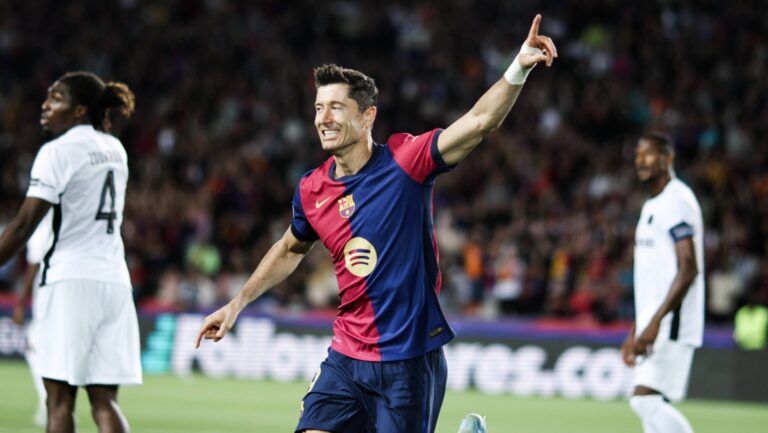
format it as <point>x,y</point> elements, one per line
<point>109,187</point>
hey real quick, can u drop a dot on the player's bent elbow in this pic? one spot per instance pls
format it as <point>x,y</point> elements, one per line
<point>689,274</point>
<point>18,231</point>
<point>694,273</point>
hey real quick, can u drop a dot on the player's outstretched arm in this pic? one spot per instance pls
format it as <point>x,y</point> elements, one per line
<point>279,262</point>
<point>687,270</point>
<point>492,108</point>
<point>22,226</point>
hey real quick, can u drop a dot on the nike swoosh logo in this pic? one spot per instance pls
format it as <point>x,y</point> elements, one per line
<point>320,203</point>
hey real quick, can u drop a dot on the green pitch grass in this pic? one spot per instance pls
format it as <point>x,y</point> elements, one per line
<point>169,404</point>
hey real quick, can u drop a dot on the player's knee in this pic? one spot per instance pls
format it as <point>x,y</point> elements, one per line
<point>101,405</point>
<point>59,407</point>
<point>60,402</point>
<point>645,405</point>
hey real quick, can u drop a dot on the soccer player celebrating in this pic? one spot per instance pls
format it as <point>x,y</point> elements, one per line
<point>87,331</point>
<point>370,205</point>
<point>669,289</point>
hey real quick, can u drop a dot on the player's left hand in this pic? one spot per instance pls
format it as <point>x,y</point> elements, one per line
<point>18,314</point>
<point>541,42</point>
<point>644,343</point>
<point>217,324</point>
<point>628,350</point>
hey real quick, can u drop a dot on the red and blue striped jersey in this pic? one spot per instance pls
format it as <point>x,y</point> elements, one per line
<point>378,226</point>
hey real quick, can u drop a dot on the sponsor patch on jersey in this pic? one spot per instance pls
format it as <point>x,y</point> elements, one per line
<point>360,257</point>
<point>346,206</point>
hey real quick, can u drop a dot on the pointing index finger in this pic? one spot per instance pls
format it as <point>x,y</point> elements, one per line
<point>203,330</point>
<point>535,27</point>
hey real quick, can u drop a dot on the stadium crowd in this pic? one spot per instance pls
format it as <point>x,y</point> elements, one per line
<point>538,221</point>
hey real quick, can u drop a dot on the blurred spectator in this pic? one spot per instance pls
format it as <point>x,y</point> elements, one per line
<point>751,325</point>
<point>203,257</point>
<point>509,276</point>
<point>474,258</point>
<point>725,288</point>
<point>223,131</point>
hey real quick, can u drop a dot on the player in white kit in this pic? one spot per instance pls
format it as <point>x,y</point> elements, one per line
<point>87,330</point>
<point>669,289</point>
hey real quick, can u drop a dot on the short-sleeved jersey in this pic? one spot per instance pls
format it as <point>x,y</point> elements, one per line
<point>671,216</point>
<point>83,174</point>
<point>378,226</point>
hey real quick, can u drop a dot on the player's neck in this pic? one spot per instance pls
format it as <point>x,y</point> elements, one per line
<point>657,185</point>
<point>353,159</point>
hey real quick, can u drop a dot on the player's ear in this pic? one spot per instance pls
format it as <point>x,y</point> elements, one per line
<point>370,116</point>
<point>81,111</point>
<point>670,158</point>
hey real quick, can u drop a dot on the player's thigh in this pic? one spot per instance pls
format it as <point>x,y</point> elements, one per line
<point>333,402</point>
<point>666,371</point>
<point>60,393</point>
<point>102,395</point>
<point>66,323</point>
<point>413,392</point>
<point>116,354</point>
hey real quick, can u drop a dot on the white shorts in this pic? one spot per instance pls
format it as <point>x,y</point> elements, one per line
<point>87,333</point>
<point>30,353</point>
<point>667,369</point>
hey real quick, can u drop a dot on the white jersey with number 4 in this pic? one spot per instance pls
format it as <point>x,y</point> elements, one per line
<point>83,173</point>
<point>672,215</point>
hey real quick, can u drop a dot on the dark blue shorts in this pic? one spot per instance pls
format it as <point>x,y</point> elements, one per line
<point>352,396</point>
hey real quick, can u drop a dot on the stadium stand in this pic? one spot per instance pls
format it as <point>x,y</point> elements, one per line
<point>539,221</point>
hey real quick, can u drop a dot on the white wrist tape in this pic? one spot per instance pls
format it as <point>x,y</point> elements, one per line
<point>516,74</point>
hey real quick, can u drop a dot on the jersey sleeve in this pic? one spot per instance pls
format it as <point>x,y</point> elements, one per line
<point>418,155</point>
<point>50,174</point>
<point>300,226</point>
<point>679,221</point>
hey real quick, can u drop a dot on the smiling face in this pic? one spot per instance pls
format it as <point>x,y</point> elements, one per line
<point>338,119</point>
<point>651,164</point>
<point>59,112</point>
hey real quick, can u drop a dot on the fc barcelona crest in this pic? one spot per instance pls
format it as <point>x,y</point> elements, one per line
<point>346,206</point>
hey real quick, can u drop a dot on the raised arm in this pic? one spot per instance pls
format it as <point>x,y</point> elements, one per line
<point>279,262</point>
<point>463,135</point>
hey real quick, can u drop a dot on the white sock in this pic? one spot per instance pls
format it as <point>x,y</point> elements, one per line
<point>658,416</point>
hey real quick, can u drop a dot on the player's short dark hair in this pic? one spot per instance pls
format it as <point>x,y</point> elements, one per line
<point>662,141</point>
<point>87,89</point>
<point>362,88</point>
